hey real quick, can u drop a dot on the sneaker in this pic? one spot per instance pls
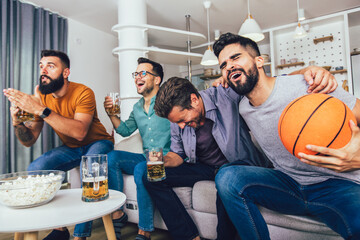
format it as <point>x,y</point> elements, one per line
<point>118,224</point>
<point>58,235</point>
<point>142,237</point>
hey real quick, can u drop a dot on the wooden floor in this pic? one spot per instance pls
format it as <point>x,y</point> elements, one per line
<point>128,233</point>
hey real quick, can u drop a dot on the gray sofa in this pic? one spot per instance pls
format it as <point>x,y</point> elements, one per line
<point>200,203</point>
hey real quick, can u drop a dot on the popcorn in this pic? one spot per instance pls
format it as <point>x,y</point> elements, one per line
<point>29,190</point>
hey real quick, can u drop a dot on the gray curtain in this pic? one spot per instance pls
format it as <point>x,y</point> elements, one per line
<point>25,31</point>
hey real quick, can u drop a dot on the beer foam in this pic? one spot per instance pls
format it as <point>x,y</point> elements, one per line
<point>155,163</point>
<point>97,179</point>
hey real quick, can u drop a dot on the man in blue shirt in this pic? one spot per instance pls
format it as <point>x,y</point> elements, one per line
<point>154,131</point>
<point>206,133</point>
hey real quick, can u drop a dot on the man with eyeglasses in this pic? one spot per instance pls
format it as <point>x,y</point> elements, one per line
<point>154,131</point>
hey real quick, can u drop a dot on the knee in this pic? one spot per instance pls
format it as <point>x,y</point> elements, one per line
<point>228,180</point>
<point>140,172</point>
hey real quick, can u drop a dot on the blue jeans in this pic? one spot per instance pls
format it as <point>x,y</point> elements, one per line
<point>133,164</point>
<point>176,218</point>
<point>335,202</point>
<point>65,158</point>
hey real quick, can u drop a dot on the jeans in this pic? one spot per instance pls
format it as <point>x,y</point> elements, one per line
<point>173,212</point>
<point>335,202</point>
<point>65,158</point>
<point>133,164</point>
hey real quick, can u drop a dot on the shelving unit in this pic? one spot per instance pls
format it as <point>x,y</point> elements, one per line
<point>339,71</point>
<point>174,38</point>
<point>323,39</point>
<point>204,77</point>
<point>290,65</point>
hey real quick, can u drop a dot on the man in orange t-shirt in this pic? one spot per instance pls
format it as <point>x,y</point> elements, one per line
<point>70,109</point>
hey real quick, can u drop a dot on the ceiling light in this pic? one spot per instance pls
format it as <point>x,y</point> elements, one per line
<point>299,30</point>
<point>209,57</point>
<point>251,29</point>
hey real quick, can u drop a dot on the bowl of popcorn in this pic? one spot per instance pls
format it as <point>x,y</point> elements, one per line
<point>29,189</point>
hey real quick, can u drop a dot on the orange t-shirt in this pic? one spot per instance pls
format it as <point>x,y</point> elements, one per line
<point>78,99</point>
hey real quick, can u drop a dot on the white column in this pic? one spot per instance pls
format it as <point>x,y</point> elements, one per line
<point>130,12</point>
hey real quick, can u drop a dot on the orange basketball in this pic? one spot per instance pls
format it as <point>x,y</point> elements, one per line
<point>317,119</point>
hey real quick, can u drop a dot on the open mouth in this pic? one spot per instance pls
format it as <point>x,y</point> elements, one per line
<point>140,84</point>
<point>44,78</point>
<point>234,76</point>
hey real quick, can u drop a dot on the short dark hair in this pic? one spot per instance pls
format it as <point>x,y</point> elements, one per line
<point>55,53</point>
<point>230,38</point>
<point>157,68</point>
<point>174,92</point>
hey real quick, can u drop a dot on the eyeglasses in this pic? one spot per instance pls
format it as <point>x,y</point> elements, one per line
<point>142,74</point>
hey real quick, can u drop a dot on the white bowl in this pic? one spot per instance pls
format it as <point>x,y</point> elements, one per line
<point>29,189</point>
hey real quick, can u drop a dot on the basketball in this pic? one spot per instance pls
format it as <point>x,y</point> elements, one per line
<point>316,119</point>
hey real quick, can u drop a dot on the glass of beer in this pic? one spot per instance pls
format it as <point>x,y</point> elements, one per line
<point>115,110</point>
<point>22,115</point>
<point>94,177</point>
<point>155,164</point>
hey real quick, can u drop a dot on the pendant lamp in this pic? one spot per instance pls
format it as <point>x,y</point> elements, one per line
<point>209,58</point>
<point>250,28</point>
<point>299,30</point>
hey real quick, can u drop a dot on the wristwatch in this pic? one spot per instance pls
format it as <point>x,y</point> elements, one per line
<point>45,113</point>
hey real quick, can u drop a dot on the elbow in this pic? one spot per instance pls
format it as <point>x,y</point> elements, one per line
<point>81,136</point>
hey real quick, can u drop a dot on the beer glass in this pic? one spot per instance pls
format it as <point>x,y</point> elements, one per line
<point>22,115</point>
<point>155,164</point>
<point>115,110</point>
<point>94,177</point>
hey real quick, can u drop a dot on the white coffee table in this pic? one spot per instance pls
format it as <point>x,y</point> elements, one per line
<point>65,209</point>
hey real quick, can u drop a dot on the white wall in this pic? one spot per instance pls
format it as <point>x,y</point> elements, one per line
<point>92,63</point>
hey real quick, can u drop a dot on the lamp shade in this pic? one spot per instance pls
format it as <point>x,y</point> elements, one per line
<point>251,29</point>
<point>300,31</point>
<point>209,58</point>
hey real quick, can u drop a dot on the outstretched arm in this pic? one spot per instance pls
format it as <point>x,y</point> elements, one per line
<point>319,79</point>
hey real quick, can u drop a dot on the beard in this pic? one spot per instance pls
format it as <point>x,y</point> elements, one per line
<point>53,86</point>
<point>252,77</point>
<point>147,90</point>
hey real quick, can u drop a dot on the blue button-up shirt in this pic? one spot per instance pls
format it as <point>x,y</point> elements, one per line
<point>229,130</point>
<point>154,130</point>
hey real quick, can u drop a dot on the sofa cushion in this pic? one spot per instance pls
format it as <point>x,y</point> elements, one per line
<point>204,197</point>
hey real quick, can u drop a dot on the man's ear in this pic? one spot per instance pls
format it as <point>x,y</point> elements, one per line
<point>194,100</point>
<point>157,80</point>
<point>259,61</point>
<point>66,73</point>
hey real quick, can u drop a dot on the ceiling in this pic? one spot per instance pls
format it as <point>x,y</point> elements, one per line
<point>225,15</point>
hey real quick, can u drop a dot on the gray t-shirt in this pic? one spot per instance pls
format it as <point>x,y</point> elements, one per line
<point>263,123</point>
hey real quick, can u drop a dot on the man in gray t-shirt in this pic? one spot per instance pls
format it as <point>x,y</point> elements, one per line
<point>299,187</point>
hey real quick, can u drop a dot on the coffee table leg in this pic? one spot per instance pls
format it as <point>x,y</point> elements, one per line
<point>109,227</point>
<point>19,236</point>
<point>31,236</point>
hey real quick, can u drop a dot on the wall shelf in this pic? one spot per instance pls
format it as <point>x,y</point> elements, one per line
<point>205,77</point>
<point>339,71</point>
<point>290,65</point>
<point>164,55</point>
<point>323,39</point>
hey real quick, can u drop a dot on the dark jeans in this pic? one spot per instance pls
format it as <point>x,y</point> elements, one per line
<point>176,218</point>
<point>335,202</point>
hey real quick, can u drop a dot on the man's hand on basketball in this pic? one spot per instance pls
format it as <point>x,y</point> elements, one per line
<point>339,160</point>
<point>320,80</point>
